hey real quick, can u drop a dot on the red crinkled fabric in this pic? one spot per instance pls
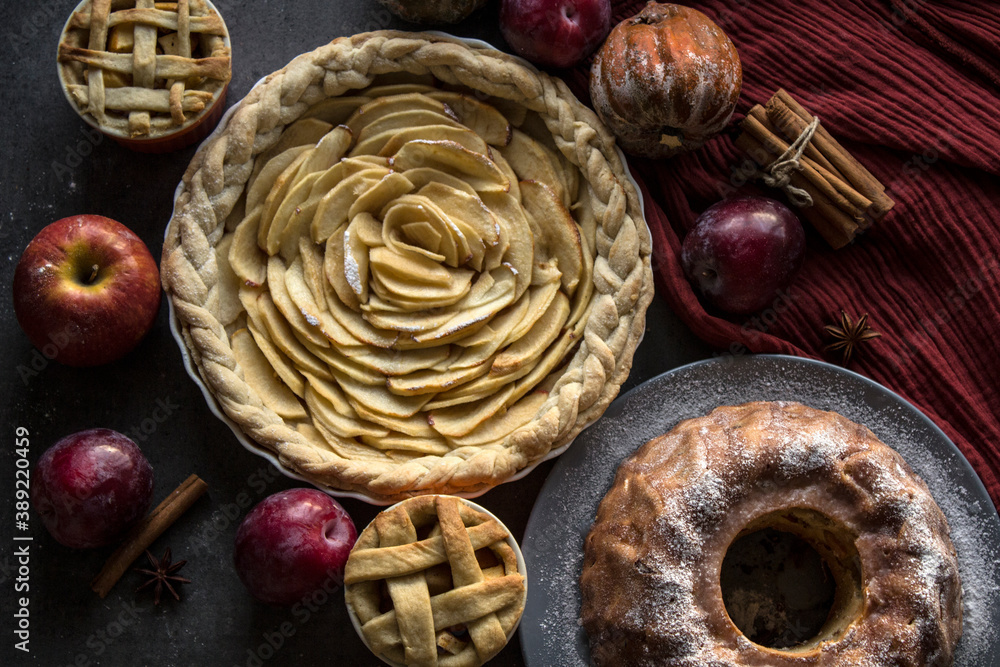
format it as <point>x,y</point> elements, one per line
<point>912,89</point>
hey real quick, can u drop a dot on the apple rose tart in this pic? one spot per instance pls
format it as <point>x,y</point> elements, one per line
<point>409,265</point>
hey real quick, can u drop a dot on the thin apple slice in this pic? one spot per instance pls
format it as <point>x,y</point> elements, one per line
<point>280,334</point>
<point>481,118</point>
<point>520,252</point>
<point>329,149</point>
<point>582,297</point>
<point>405,295</point>
<point>261,377</point>
<point>374,144</point>
<point>319,318</point>
<point>415,426</point>
<point>392,363</point>
<point>460,135</point>
<point>530,346</point>
<point>508,171</point>
<point>466,208</point>
<point>312,271</point>
<point>246,258</point>
<point>432,382</point>
<point>539,298</point>
<point>498,427</point>
<point>330,392</point>
<point>403,120</point>
<point>281,364</point>
<point>402,88</point>
<point>280,187</point>
<point>475,311</point>
<point>502,325</point>
<point>358,327</point>
<point>381,107</point>
<point>450,400</point>
<point>305,323</point>
<point>423,176</point>
<point>398,442</point>
<point>532,161</point>
<point>391,186</point>
<point>229,307</point>
<point>410,274</point>
<point>480,388</point>
<point>415,223</point>
<point>561,233</point>
<point>452,158</point>
<point>460,420</point>
<point>342,365</point>
<point>339,425</point>
<point>341,447</point>
<point>292,218</point>
<point>262,180</point>
<point>347,276</point>
<point>303,132</point>
<point>335,110</point>
<point>385,317</point>
<point>377,399</point>
<point>333,209</point>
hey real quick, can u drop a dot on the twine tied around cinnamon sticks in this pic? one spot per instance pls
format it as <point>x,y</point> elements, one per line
<point>846,198</point>
<point>779,173</point>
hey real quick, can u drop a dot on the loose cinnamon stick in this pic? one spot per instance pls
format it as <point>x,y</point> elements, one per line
<point>143,535</point>
<point>853,171</point>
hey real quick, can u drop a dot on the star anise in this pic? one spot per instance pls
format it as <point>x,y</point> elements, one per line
<point>849,335</point>
<point>161,575</point>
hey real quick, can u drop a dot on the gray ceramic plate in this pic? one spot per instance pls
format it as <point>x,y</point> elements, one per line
<point>551,635</point>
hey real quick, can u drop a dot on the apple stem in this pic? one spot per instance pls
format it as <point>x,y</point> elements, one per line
<point>93,273</point>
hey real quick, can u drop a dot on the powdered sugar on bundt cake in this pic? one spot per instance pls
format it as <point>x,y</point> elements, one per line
<point>650,582</point>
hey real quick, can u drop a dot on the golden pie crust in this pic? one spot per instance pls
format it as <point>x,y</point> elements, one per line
<point>434,581</point>
<point>408,265</point>
<point>143,70</point>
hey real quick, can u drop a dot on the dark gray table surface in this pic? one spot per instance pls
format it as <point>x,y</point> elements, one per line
<point>51,170</point>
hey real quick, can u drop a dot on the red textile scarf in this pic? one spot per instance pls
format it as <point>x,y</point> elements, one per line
<point>912,89</point>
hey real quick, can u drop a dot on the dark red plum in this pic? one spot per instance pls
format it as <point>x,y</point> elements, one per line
<point>90,487</point>
<point>555,33</point>
<point>741,251</point>
<point>293,543</point>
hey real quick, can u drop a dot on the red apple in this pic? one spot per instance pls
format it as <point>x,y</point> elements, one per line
<point>555,33</point>
<point>86,290</point>
<point>293,543</point>
<point>90,487</point>
<point>742,251</point>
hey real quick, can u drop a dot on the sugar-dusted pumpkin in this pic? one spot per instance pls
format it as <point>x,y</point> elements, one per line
<point>433,11</point>
<point>666,80</point>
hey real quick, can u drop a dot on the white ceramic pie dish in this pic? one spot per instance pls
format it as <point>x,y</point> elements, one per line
<point>521,568</point>
<point>249,444</point>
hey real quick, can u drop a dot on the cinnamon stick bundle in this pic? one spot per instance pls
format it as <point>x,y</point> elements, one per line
<point>846,197</point>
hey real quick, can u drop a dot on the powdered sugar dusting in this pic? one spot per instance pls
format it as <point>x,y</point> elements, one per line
<point>553,543</point>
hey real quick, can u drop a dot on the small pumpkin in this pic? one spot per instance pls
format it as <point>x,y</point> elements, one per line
<point>433,11</point>
<point>665,80</point>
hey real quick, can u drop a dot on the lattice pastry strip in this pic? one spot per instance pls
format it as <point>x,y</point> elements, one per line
<point>133,65</point>
<point>417,584</point>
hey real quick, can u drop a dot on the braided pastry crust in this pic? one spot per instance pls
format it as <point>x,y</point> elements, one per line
<point>212,201</point>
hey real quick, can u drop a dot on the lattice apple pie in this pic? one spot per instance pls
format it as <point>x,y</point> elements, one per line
<point>434,581</point>
<point>408,265</point>
<point>141,70</point>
